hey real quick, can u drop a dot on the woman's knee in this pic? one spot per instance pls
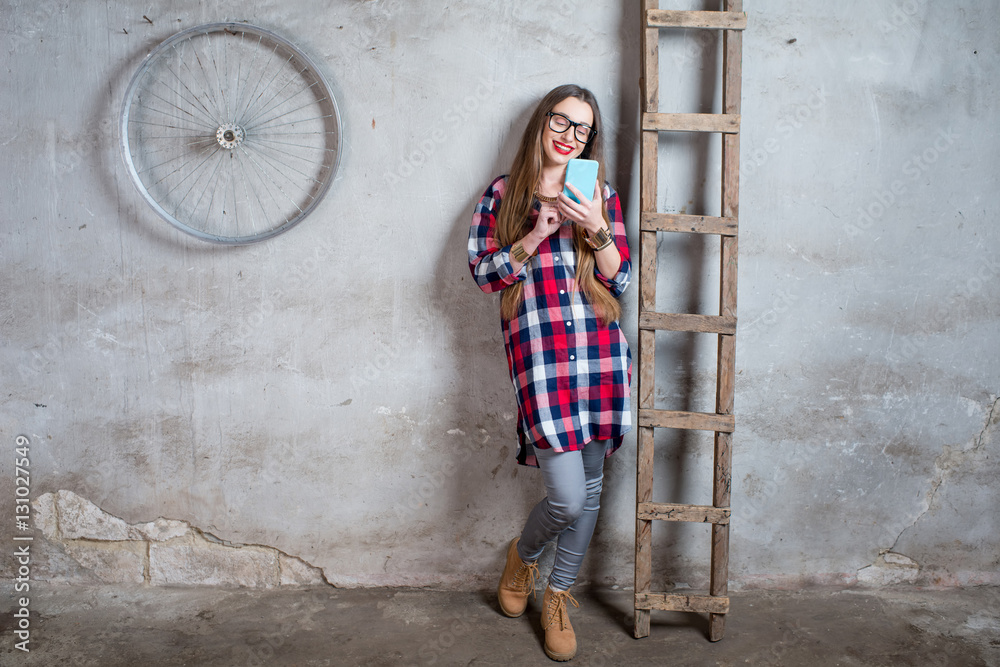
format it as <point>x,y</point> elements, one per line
<point>566,510</point>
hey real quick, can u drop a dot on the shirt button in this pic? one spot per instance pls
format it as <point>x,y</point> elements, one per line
<point>571,357</point>
<point>568,323</point>
<point>556,258</point>
<point>562,291</point>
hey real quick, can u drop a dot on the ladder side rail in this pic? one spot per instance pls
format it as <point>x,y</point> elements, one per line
<point>732,68</point>
<point>649,89</point>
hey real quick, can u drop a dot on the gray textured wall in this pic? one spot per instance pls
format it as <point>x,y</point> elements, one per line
<point>364,421</point>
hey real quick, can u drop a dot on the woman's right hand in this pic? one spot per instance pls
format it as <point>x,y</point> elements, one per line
<point>548,221</point>
<point>546,224</point>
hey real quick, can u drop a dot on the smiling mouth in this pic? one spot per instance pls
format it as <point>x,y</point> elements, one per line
<point>561,148</point>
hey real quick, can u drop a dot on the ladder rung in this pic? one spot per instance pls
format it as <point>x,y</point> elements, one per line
<point>720,324</point>
<point>692,513</point>
<point>727,123</point>
<point>667,18</point>
<point>701,421</point>
<point>697,224</point>
<point>714,604</point>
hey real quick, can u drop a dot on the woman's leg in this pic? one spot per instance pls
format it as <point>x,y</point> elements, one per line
<point>569,511</point>
<point>565,495</point>
<point>573,542</point>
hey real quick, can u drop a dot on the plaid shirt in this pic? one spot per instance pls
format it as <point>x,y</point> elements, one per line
<point>570,372</point>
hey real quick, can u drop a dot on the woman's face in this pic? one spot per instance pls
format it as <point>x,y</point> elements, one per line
<point>558,148</point>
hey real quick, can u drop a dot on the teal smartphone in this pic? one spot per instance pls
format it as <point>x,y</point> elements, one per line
<point>583,175</point>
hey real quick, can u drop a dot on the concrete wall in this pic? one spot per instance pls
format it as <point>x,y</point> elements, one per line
<point>364,423</point>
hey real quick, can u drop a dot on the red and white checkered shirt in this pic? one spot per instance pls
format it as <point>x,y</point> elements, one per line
<point>570,372</point>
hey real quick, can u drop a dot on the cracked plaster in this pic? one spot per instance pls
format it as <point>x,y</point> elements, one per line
<point>892,567</point>
<point>160,552</point>
<point>950,459</point>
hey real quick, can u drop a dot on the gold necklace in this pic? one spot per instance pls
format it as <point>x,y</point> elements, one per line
<point>544,199</point>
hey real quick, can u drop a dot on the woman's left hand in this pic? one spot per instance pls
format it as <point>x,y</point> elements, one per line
<point>586,213</point>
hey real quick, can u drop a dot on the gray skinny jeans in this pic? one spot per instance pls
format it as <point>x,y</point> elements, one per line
<point>569,510</point>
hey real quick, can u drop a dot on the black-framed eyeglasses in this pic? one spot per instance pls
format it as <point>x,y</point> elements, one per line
<point>560,123</point>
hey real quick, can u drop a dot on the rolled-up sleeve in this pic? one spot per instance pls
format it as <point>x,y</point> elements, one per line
<point>488,261</point>
<point>617,283</point>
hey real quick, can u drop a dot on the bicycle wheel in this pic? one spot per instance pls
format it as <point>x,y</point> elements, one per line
<point>230,133</point>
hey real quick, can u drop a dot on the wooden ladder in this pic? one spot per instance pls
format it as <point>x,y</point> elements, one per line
<point>731,21</point>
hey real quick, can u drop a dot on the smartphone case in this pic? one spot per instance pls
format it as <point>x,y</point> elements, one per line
<point>583,175</point>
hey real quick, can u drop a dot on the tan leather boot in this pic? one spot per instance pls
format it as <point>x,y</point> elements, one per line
<point>560,640</point>
<point>516,582</point>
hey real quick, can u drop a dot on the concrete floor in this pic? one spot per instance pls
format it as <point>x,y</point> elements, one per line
<point>118,625</point>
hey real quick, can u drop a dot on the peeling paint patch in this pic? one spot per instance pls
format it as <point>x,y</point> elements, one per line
<point>889,568</point>
<point>161,552</point>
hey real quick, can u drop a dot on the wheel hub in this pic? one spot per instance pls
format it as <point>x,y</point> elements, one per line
<point>230,135</point>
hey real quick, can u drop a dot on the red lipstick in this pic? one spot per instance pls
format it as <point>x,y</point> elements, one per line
<point>561,148</point>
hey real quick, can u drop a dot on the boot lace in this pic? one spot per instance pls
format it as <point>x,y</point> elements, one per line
<point>557,608</point>
<point>524,578</point>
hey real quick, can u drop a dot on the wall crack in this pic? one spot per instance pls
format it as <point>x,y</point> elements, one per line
<point>946,463</point>
<point>164,551</point>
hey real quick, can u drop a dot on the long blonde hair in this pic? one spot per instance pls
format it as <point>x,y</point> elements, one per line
<point>518,199</point>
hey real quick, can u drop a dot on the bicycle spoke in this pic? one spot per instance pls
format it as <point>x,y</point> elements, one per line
<point>286,143</point>
<point>173,127</point>
<point>208,86</point>
<point>250,97</point>
<point>211,178</point>
<point>181,118</point>
<point>180,167</point>
<point>307,156</point>
<point>240,89</point>
<point>194,104</point>
<point>218,78</point>
<point>204,141</point>
<point>276,93</point>
<point>174,137</point>
<point>264,123</point>
<point>151,168</point>
<point>202,168</point>
<point>211,152</point>
<point>285,165</point>
<point>235,208</point>
<point>263,172</point>
<point>256,191</point>
<point>304,120</point>
<point>265,88</point>
<point>194,96</point>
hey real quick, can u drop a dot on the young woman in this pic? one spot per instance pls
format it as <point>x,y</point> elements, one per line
<point>560,264</point>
